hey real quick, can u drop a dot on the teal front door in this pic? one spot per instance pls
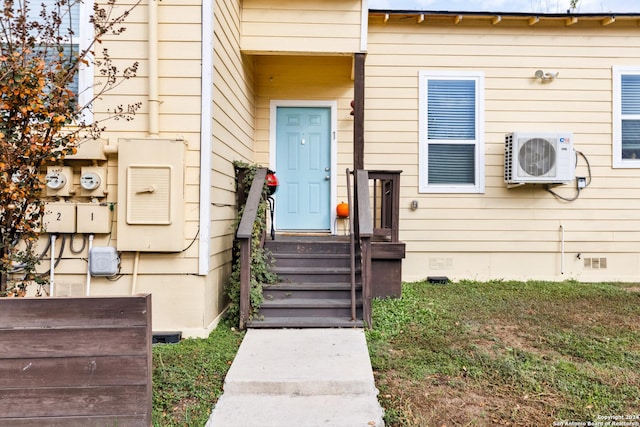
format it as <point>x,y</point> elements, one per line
<point>303,167</point>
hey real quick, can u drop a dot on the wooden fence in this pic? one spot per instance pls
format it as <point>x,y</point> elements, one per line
<point>75,362</point>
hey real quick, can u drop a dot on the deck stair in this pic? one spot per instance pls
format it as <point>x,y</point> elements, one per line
<point>314,290</point>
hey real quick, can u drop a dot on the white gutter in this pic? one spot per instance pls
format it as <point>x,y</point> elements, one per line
<point>206,136</point>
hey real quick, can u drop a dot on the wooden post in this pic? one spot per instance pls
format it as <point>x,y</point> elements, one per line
<point>244,233</point>
<point>365,231</point>
<point>366,280</point>
<point>245,280</point>
<point>358,111</point>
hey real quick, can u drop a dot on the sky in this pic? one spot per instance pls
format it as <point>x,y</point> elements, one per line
<point>534,6</point>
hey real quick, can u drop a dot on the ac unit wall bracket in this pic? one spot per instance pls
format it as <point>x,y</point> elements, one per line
<point>516,185</point>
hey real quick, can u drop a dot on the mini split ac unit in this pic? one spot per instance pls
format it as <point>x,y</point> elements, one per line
<point>539,158</point>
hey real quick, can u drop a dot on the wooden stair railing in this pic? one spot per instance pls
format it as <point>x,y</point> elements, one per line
<point>386,204</point>
<point>352,249</point>
<point>363,229</point>
<point>375,225</point>
<point>245,230</point>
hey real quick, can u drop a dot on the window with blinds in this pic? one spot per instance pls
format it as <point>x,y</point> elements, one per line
<point>626,122</point>
<point>451,132</point>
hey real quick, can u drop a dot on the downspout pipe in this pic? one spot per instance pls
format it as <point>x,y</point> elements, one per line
<point>206,136</point>
<point>154,101</point>
<point>154,98</point>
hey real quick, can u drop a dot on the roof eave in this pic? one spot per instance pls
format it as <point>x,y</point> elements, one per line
<point>505,14</point>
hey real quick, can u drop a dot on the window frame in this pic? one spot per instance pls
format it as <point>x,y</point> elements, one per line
<point>617,160</point>
<point>82,40</point>
<point>479,185</point>
<point>86,79</point>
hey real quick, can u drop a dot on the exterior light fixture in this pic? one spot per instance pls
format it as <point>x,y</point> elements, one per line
<point>546,76</point>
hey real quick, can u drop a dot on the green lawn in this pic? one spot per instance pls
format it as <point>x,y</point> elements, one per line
<point>463,354</point>
<point>508,353</point>
<point>188,376</point>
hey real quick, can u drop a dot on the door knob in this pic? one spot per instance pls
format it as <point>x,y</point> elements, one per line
<point>327,178</point>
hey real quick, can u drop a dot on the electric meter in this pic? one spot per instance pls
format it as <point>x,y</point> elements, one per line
<point>90,181</point>
<point>56,180</point>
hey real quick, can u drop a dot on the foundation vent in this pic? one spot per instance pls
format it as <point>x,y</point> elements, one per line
<point>440,263</point>
<point>595,263</point>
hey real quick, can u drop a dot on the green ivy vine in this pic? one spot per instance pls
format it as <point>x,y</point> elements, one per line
<point>261,259</point>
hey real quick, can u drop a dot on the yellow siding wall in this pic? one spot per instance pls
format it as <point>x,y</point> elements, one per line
<point>306,78</point>
<point>177,298</point>
<point>233,132</point>
<point>179,55</point>
<point>182,299</point>
<point>509,233</point>
<point>307,26</point>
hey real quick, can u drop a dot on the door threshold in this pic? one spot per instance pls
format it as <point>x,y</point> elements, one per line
<point>303,233</point>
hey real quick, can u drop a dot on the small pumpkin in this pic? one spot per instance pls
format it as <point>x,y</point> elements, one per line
<point>342,210</point>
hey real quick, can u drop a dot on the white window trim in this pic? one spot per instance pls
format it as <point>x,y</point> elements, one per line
<point>618,161</point>
<point>424,186</point>
<point>86,72</point>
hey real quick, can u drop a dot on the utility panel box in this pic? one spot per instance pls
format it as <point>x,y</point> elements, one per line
<point>59,217</point>
<point>150,195</point>
<point>93,218</point>
<point>103,261</point>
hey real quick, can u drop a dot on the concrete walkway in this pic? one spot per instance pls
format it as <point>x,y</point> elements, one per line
<point>301,378</point>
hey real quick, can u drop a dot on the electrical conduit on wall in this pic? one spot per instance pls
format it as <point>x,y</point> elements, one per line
<point>88,289</point>
<point>53,266</point>
<point>153,99</point>
<point>561,249</point>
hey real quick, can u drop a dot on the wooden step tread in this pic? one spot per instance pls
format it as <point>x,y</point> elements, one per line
<point>311,286</point>
<point>309,303</point>
<point>311,270</point>
<point>304,255</point>
<point>306,322</point>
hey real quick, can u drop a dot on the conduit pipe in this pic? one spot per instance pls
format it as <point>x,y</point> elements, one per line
<point>53,266</point>
<point>561,249</point>
<point>154,101</point>
<point>134,280</point>
<point>111,148</point>
<point>88,289</point>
